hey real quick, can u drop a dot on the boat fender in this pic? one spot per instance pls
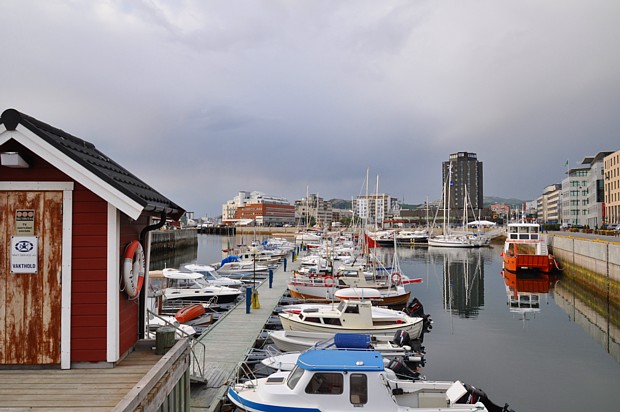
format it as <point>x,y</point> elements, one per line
<point>133,268</point>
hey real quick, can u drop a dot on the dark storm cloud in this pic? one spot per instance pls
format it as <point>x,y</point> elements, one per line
<point>204,99</point>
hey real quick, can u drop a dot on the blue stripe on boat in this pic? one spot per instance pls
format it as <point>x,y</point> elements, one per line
<point>266,408</point>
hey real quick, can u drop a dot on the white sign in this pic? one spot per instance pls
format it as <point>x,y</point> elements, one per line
<point>24,254</point>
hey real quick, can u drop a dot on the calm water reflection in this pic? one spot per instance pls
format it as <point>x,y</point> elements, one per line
<point>532,342</point>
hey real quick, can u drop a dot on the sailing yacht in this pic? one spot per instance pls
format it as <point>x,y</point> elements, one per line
<point>450,238</point>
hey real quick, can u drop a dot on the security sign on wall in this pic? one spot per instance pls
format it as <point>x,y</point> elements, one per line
<point>24,254</point>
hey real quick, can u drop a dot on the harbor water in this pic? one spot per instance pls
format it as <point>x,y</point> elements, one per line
<point>529,341</point>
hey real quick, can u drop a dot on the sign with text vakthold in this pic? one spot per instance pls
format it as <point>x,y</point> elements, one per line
<point>24,222</point>
<point>24,254</point>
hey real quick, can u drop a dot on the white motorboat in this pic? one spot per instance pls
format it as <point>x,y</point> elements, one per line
<point>353,314</point>
<point>292,343</point>
<point>190,286</point>
<point>339,380</point>
<point>316,286</point>
<point>212,277</point>
<point>306,237</point>
<point>233,266</point>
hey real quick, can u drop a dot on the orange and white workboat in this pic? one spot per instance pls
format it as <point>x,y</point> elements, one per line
<point>526,249</point>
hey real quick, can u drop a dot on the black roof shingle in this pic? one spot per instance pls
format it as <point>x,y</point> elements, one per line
<point>87,155</point>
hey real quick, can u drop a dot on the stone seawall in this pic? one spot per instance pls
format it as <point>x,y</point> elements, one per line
<point>165,242</point>
<point>601,257</point>
<point>593,263</point>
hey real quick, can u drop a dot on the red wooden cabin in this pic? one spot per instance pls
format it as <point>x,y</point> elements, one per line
<point>67,214</point>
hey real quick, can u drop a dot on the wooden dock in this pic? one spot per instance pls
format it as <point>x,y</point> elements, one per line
<point>133,384</point>
<point>228,341</point>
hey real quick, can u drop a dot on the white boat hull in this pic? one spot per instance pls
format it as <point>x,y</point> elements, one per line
<point>414,328</point>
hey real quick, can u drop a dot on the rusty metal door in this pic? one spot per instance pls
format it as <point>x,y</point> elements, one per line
<point>30,303</point>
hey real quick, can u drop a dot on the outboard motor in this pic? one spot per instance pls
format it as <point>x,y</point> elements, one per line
<point>474,395</point>
<point>415,309</point>
<point>401,369</point>
<point>401,338</point>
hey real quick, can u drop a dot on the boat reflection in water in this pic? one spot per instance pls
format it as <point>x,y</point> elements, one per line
<point>526,291</point>
<point>463,280</point>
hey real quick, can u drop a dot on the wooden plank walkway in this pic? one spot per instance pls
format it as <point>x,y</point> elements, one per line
<point>79,390</point>
<point>229,340</point>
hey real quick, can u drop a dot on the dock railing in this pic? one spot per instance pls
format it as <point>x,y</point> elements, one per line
<point>197,367</point>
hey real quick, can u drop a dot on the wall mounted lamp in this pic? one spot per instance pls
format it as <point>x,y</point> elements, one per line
<point>14,160</point>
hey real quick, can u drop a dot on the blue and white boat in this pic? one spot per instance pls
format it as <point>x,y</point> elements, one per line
<point>347,380</point>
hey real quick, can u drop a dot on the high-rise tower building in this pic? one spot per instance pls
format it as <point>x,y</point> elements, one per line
<point>464,172</point>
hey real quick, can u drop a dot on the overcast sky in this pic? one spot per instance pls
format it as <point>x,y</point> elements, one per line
<point>203,99</point>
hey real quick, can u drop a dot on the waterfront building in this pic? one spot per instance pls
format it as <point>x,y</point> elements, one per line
<point>583,193</point>
<point>548,204</point>
<point>375,209</point>
<point>313,208</point>
<point>466,182</point>
<point>500,211</point>
<point>258,208</point>
<point>611,184</point>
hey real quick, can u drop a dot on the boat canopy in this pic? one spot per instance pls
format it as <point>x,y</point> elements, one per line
<point>175,274</point>
<point>231,258</point>
<point>482,223</point>
<point>340,360</point>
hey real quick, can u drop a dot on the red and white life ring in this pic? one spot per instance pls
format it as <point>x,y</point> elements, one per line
<point>328,281</point>
<point>396,278</point>
<point>133,268</point>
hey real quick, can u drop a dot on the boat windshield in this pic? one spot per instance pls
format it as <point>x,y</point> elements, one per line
<point>294,377</point>
<point>189,283</point>
<point>209,274</point>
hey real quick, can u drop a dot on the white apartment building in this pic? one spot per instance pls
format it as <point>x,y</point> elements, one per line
<point>375,209</point>
<point>583,193</point>
<point>549,205</point>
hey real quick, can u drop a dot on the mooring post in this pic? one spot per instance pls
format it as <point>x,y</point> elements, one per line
<point>248,299</point>
<point>270,278</point>
<point>285,264</point>
<point>165,338</point>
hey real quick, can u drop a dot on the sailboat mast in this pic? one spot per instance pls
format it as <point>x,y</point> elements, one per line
<point>377,206</point>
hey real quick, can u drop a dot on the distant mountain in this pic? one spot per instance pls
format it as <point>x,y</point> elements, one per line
<point>488,201</point>
<point>340,204</point>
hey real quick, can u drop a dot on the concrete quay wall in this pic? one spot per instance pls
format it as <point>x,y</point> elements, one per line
<point>592,255</point>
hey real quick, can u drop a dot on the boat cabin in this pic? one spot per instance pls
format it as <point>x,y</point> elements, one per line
<point>523,232</point>
<point>74,236</point>
<point>346,380</point>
